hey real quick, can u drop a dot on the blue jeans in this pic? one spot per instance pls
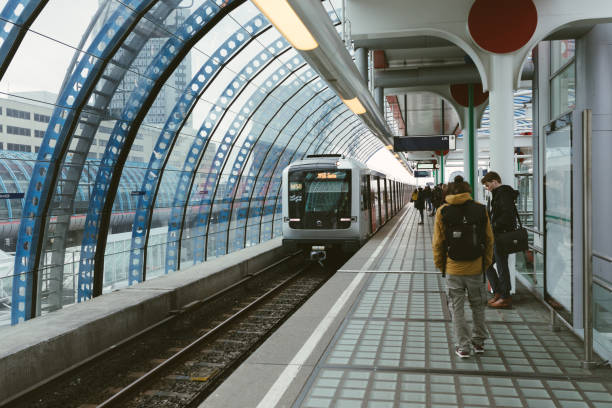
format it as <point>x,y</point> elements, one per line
<point>500,278</point>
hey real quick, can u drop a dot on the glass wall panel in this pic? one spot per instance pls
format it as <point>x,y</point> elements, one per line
<point>558,216</point>
<point>563,91</point>
<point>561,52</point>
<point>602,313</point>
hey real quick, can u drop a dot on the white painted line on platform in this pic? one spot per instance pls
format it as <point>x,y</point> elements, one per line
<point>282,383</point>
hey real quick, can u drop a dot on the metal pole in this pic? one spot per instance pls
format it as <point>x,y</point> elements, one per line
<point>587,245</point>
<point>405,114</point>
<point>441,169</point>
<point>471,131</point>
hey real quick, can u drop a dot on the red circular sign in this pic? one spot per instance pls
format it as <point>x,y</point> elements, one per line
<point>460,94</point>
<point>502,26</point>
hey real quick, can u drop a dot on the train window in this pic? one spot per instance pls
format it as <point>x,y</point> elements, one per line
<point>365,193</point>
<point>320,199</point>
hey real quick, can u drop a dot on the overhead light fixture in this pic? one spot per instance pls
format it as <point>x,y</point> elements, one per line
<point>284,18</point>
<point>355,106</point>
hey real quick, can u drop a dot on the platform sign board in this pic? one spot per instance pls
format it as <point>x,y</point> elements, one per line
<point>427,166</point>
<point>424,143</point>
<point>421,173</point>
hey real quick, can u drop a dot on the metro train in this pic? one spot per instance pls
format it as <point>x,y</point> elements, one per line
<point>334,204</point>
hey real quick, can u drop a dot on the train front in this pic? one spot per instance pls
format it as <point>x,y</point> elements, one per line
<point>319,214</point>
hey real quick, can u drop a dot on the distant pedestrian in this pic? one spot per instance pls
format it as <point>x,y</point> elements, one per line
<point>503,219</point>
<point>462,247</point>
<point>436,199</point>
<point>419,204</point>
<point>427,197</point>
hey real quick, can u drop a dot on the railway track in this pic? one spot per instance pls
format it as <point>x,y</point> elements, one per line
<point>185,357</point>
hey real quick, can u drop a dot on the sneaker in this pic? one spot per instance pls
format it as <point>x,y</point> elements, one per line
<point>421,223</point>
<point>478,348</point>
<point>461,353</point>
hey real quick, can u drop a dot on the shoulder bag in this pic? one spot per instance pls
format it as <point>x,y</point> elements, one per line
<point>512,241</point>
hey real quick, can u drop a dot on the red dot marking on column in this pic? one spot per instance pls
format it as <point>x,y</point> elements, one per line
<point>460,94</point>
<point>502,26</point>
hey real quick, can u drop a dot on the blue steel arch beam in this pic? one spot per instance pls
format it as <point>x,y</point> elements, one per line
<point>203,223</point>
<point>264,166</point>
<point>89,119</point>
<point>266,229</point>
<point>170,132</point>
<point>91,270</point>
<point>236,129</point>
<point>282,159</point>
<point>71,101</point>
<point>315,131</point>
<point>268,210</point>
<point>197,149</point>
<point>18,16</point>
<point>253,189</point>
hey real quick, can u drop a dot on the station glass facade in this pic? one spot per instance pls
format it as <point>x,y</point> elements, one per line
<point>166,127</point>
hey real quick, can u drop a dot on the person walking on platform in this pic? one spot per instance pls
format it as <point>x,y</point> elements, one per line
<point>419,204</point>
<point>414,196</point>
<point>427,197</point>
<point>462,247</point>
<point>436,199</point>
<point>503,219</point>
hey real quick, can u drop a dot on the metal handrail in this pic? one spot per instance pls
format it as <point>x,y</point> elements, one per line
<point>600,256</point>
<point>537,249</point>
<point>602,283</point>
<point>533,230</point>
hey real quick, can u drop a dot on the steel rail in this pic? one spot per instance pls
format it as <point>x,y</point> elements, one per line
<point>150,375</point>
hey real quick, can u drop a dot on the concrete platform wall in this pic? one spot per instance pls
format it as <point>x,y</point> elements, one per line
<point>38,349</point>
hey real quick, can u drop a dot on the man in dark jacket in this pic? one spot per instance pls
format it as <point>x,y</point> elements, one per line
<point>419,204</point>
<point>503,219</point>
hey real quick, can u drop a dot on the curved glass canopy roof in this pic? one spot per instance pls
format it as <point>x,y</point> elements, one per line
<point>161,131</point>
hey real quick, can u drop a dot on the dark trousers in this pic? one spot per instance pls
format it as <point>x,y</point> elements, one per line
<point>500,278</point>
<point>421,213</point>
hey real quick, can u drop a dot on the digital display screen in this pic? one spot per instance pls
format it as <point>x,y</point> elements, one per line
<point>423,143</point>
<point>327,175</point>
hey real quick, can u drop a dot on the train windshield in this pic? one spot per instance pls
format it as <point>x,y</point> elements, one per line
<point>320,199</point>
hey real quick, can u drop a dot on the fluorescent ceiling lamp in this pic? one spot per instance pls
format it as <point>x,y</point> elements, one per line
<point>354,105</point>
<point>284,18</point>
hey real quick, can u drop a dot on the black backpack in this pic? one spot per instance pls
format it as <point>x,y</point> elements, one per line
<point>465,230</point>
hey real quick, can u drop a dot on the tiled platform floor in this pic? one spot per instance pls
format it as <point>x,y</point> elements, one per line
<point>395,348</point>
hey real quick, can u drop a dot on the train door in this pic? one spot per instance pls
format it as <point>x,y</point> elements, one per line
<point>385,198</point>
<point>376,197</point>
<point>372,205</point>
<point>366,213</point>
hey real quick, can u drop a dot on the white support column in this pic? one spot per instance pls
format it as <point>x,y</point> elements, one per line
<point>501,100</point>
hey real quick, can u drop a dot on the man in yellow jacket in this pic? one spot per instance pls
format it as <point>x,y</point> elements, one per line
<point>463,249</point>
